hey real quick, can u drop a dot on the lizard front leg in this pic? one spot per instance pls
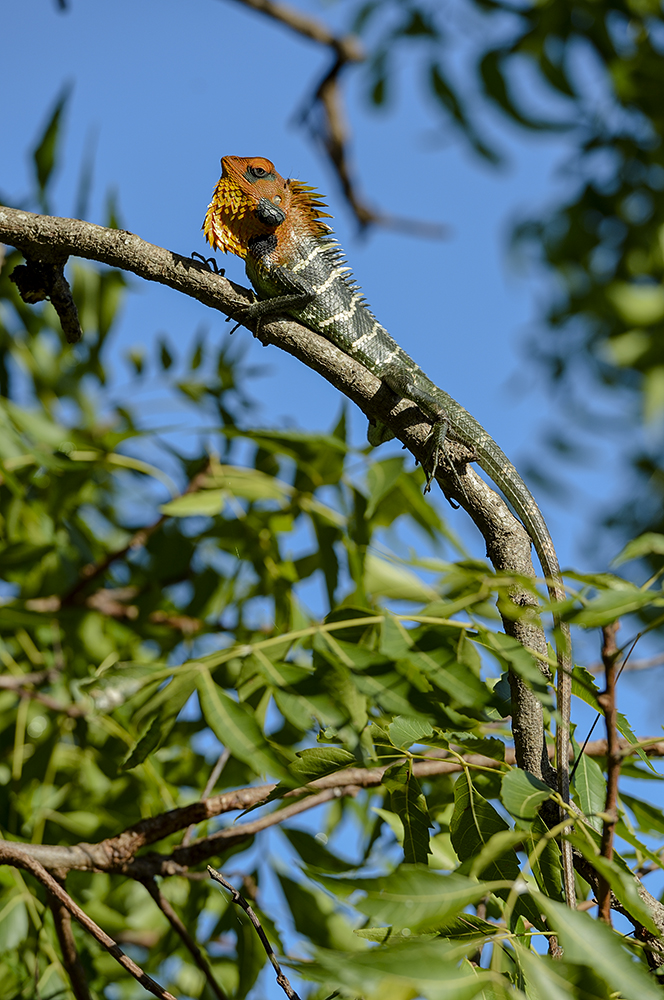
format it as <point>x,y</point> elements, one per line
<point>278,289</point>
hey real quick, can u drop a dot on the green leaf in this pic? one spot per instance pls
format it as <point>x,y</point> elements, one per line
<point>473,824</point>
<point>410,805</point>
<point>381,479</point>
<point>14,924</point>
<point>648,544</point>
<point>553,979</point>
<point>316,916</point>
<point>590,789</point>
<point>547,868</point>
<point>612,604</point>
<point>228,481</point>
<point>44,156</point>
<point>408,968</point>
<point>412,896</point>
<point>626,834</point>
<point>518,659</point>
<point>393,580</point>
<point>522,793</point>
<point>649,817</point>
<point>638,305</point>
<point>590,942</point>
<point>155,736</point>
<point>168,702</point>
<point>405,731</point>
<point>235,727</point>
<point>319,761</point>
<point>497,846</point>
<point>314,853</point>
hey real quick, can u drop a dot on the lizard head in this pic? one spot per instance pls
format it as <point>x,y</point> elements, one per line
<point>252,200</point>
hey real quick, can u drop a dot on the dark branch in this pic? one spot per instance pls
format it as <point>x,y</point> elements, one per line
<point>117,854</point>
<point>239,899</point>
<point>37,280</point>
<point>177,925</point>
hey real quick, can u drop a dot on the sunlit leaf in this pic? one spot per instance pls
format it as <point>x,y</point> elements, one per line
<point>235,727</point>
<point>409,803</point>
<point>590,942</point>
<point>522,793</point>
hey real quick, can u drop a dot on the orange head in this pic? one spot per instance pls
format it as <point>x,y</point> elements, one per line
<point>253,200</point>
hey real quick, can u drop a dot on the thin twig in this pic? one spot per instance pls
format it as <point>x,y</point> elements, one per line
<point>211,782</point>
<point>73,711</point>
<point>8,681</point>
<point>647,663</point>
<point>239,899</point>
<point>14,854</point>
<point>177,925</point>
<point>323,115</point>
<point>607,702</point>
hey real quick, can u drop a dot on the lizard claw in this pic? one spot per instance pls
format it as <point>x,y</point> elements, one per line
<point>440,456</point>
<point>246,311</point>
<point>210,263</point>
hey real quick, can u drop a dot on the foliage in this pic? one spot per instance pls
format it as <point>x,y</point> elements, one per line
<point>142,635</point>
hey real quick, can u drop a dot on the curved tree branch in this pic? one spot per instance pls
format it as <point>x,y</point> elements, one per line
<point>118,854</point>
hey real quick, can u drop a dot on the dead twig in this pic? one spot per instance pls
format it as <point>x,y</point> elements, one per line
<point>645,664</point>
<point>177,925</point>
<point>607,702</point>
<point>307,26</point>
<point>37,280</point>
<point>73,711</point>
<point>10,681</point>
<point>117,854</point>
<point>239,899</point>
<point>323,115</point>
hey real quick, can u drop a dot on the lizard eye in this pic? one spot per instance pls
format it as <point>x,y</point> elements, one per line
<point>257,171</point>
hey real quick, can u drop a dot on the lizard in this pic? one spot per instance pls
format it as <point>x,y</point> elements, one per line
<point>297,268</point>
